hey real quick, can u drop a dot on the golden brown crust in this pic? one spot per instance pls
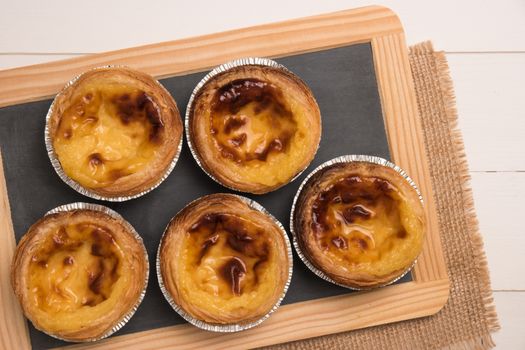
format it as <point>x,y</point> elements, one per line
<point>133,262</point>
<point>169,137</point>
<point>292,149</point>
<point>256,246</point>
<point>386,197</point>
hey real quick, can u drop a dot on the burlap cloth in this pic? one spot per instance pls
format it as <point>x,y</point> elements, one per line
<point>469,317</point>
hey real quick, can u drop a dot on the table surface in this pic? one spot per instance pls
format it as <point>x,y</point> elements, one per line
<point>483,42</point>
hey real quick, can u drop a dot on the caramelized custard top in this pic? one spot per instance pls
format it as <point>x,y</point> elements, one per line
<point>75,267</point>
<point>359,219</point>
<point>250,121</point>
<point>227,254</point>
<point>107,132</point>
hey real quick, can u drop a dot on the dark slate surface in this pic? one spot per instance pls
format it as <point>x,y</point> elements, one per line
<point>344,84</point>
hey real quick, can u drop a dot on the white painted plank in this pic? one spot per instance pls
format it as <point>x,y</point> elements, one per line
<point>11,61</point>
<point>491,106</point>
<point>96,26</point>
<point>498,199</point>
<point>511,311</point>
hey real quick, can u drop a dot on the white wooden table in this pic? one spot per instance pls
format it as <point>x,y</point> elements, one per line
<point>485,46</point>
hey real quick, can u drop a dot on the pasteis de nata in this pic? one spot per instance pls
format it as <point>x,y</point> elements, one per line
<point>115,131</point>
<point>254,128</point>
<point>78,274</point>
<point>362,224</point>
<point>224,262</point>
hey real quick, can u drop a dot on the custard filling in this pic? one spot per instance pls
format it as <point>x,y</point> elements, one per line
<point>250,121</point>
<point>76,267</point>
<point>109,131</point>
<point>364,224</point>
<point>228,264</point>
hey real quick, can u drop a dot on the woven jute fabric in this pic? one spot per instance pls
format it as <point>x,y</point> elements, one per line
<point>469,317</point>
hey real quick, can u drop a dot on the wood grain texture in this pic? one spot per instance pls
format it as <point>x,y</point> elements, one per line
<point>452,25</point>
<point>19,60</point>
<point>13,328</point>
<point>429,290</point>
<point>171,58</point>
<point>406,140</point>
<point>336,314</point>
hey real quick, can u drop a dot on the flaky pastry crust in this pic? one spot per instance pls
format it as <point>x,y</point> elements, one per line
<point>223,262</point>
<point>77,274</point>
<point>360,223</point>
<point>138,112</point>
<point>254,128</point>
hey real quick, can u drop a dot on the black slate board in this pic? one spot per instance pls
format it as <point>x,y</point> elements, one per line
<point>344,83</point>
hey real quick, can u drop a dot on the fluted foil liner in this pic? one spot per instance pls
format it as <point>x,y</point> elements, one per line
<point>248,61</point>
<point>127,225</point>
<point>338,160</point>
<point>75,185</point>
<point>229,328</point>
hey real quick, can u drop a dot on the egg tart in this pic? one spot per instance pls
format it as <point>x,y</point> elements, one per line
<point>79,275</point>
<point>223,262</point>
<point>115,132</point>
<point>253,128</point>
<point>359,223</point>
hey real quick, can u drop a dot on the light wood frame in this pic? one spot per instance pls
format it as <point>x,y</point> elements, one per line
<point>425,295</point>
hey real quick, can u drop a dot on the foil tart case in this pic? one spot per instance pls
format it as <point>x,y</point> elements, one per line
<point>339,160</point>
<point>237,327</point>
<point>55,162</point>
<point>223,68</point>
<point>131,229</point>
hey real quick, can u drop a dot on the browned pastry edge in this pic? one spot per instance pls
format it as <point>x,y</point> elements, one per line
<point>132,249</point>
<point>174,237</point>
<point>143,180</point>
<point>303,213</point>
<point>208,156</point>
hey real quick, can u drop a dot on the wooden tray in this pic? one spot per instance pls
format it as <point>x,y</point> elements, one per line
<point>380,27</point>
